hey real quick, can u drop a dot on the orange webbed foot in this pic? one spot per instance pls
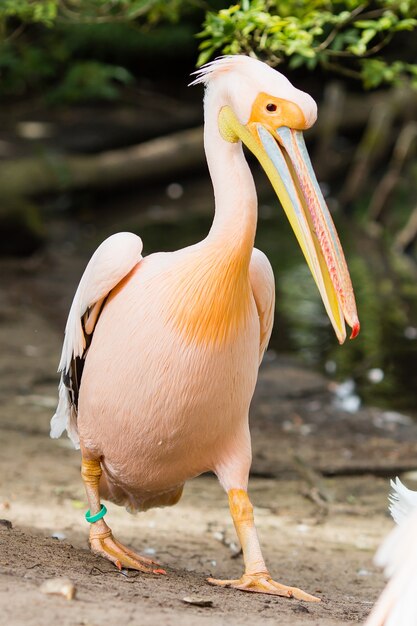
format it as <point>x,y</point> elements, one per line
<point>105,545</point>
<point>263,583</point>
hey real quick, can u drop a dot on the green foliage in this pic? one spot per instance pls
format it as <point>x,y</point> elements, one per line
<point>87,11</point>
<point>90,80</point>
<point>102,11</point>
<point>343,36</point>
<point>42,11</point>
<point>81,49</point>
<point>77,50</point>
<point>378,71</point>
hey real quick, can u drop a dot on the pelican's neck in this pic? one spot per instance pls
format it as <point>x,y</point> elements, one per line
<point>235,218</point>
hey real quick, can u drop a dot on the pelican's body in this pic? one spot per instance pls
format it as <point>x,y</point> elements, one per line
<point>187,411</point>
<point>169,345</point>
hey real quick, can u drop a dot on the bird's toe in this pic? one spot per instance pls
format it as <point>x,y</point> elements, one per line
<point>263,583</point>
<point>106,546</point>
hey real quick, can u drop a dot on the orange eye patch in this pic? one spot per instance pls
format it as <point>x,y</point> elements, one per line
<point>275,112</point>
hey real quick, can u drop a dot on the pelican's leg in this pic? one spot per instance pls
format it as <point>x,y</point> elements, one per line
<point>102,541</point>
<point>256,577</point>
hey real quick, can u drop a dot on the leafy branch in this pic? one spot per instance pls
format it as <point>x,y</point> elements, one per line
<point>38,43</point>
<point>344,36</point>
<point>48,12</point>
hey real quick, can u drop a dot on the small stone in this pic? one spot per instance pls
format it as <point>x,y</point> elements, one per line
<point>6,524</point>
<point>302,528</point>
<point>198,601</point>
<point>364,572</point>
<point>219,536</point>
<point>58,535</point>
<point>59,586</point>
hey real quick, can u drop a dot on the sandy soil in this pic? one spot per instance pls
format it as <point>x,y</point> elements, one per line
<point>331,557</point>
<point>317,532</point>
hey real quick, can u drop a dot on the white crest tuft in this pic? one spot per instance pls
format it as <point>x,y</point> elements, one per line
<point>220,65</point>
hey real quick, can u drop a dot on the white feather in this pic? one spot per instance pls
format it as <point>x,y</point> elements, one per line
<point>402,501</point>
<point>111,262</point>
<point>221,64</point>
<point>65,417</point>
<point>397,604</point>
<point>263,287</point>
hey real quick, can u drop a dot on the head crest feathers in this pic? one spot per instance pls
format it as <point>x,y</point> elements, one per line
<point>252,76</point>
<point>220,65</point>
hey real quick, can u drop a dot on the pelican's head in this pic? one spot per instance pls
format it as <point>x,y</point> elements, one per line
<point>261,108</point>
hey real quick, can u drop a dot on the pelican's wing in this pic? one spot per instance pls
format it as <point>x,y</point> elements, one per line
<point>263,288</point>
<point>111,262</point>
<point>397,605</point>
<point>402,501</point>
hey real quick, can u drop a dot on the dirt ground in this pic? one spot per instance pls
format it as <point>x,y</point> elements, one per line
<point>320,509</point>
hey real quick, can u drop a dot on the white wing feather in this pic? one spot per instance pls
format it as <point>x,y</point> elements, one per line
<point>397,604</point>
<point>402,501</point>
<point>263,288</point>
<point>111,262</point>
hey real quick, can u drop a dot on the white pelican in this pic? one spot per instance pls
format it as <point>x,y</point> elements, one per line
<point>169,345</point>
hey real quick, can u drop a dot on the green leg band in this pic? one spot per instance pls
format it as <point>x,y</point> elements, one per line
<point>94,518</point>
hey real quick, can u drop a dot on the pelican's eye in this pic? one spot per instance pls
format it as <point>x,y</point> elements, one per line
<point>271,107</point>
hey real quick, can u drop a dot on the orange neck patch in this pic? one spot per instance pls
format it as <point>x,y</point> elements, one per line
<point>214,296</point>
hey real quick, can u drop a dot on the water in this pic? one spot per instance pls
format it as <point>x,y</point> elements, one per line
<point>381,362</point>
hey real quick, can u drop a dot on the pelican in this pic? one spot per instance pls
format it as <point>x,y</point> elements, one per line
<point>161,353</point>
<point>397,604</point>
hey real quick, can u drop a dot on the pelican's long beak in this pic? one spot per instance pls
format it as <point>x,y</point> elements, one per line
<point>284,157</point>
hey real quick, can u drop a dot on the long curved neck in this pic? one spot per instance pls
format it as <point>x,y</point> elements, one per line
<point>235,219</point>
<point>216,292</point>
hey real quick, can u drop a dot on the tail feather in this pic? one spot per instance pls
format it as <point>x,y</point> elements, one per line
<point>65,417</point>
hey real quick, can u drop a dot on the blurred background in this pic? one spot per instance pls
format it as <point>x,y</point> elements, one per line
<point>99,133</point>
